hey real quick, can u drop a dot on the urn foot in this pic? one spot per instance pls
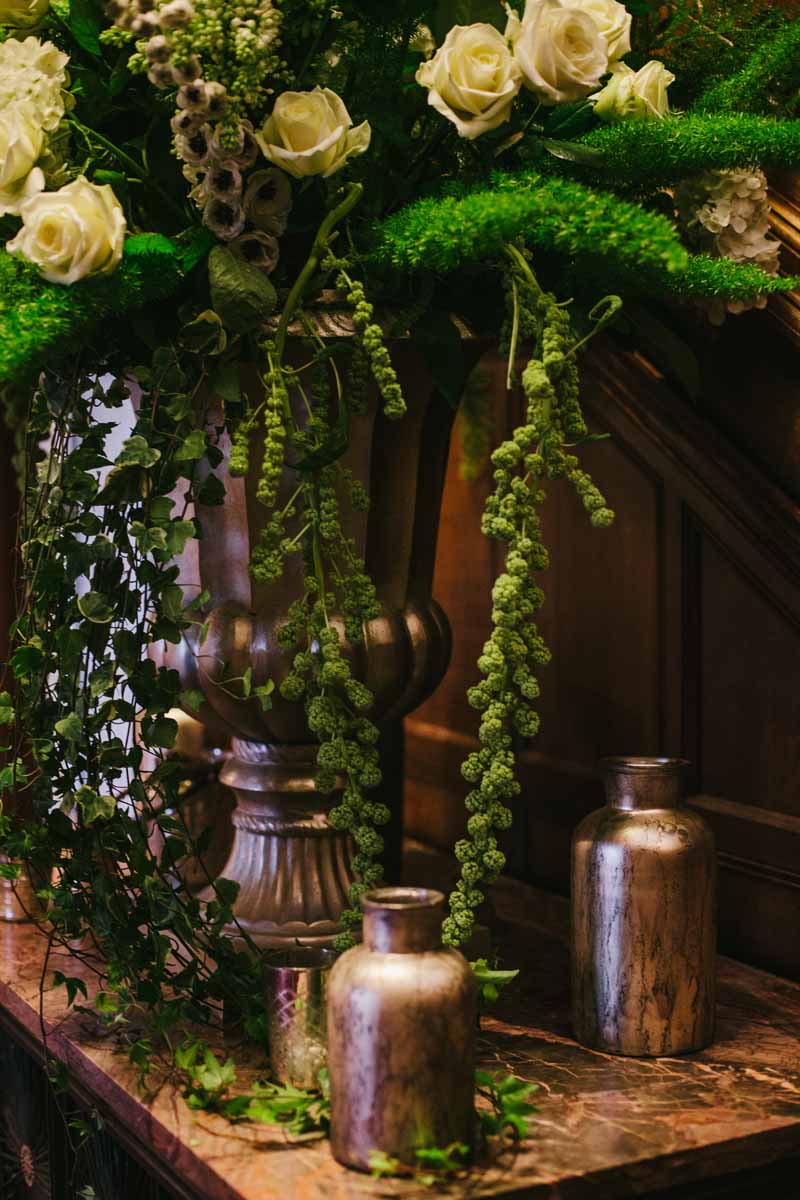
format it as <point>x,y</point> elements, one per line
<point>293,868</point>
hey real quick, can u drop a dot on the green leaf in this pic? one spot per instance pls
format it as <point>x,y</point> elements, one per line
<point>226,382</point>
<point>178,533</point>
<point>72,984</point>
<point>192,447</point>
<point>136,453</point>
<point>6,709</point>
<point>247,682</point>
<point>193,699</point>
<point>264,695</point>
<point>148,539</point>
<point>85,21</point>
<point>161,733</point>
<point>70,727</point>
<point>95,608</point>
<point>241,294</point>
<point>101,679</point>
<point>94,807</point>
<point>212,492</point>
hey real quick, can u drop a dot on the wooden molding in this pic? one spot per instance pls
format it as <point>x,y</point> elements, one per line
<point>785,201</point>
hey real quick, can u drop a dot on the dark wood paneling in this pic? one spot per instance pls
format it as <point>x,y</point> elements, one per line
<point>675,632</point>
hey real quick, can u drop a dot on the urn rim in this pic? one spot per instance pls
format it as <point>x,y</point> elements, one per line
<point>401,899</point>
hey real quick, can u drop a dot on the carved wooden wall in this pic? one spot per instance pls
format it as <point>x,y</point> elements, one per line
<point>675,632</point>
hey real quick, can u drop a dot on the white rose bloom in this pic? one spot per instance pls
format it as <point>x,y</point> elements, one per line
<point>614,22</point>
<point>21,141</point>
<point>473,79</point>
<point>562,53</point>
<point>72,233</point>
<point>33,74</point>
<point>311,133</point>
<point>639,94</point>
<point>22,14</point>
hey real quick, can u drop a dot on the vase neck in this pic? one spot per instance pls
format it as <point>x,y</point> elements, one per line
<point>403,920</point>
<point>643,783</point>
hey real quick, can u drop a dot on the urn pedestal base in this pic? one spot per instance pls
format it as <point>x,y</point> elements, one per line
<point>287,859</point>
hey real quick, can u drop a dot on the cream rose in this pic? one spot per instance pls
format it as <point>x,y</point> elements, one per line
<point>640,94</point>
<point>21,142</point>
<point>562,53</point>
<point>22,14</point>
<point>614,22</point>
<point>311,133</point>
<point>473,79</point>
<point>74,232</point>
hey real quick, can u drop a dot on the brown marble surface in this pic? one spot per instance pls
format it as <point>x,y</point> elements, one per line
<point>606,1127</point>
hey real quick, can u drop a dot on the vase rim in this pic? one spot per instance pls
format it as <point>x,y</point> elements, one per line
<point>643,764</point>
<point>401,899</point>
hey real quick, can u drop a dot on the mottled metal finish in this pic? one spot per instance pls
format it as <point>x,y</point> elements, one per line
<point>292,868</point>
<point>643,916</point>
<point>401,1033</point>
<point>296,997</point>
<point>18,899</point>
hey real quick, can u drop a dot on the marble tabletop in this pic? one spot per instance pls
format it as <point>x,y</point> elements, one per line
<point>606,1128</point>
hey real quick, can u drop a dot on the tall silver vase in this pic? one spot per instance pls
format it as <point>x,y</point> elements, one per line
<point>643,916</point>
<point>401,1034</point>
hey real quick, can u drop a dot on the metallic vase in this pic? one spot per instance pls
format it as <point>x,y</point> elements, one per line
<point>401,1031</point>
<point>296,994</point>
<point>643,916</point>
<point>295,870</point>
<point>18,899</point>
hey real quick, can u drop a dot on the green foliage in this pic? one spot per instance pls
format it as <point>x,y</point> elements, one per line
<point>209,1085</point>
<point>41,322</point>
<point>538,451</point>
<point>589,227</point>
<point>502,1122</point>
<point>768,82</point>
<point>649,155</point>
<point>491,981</point>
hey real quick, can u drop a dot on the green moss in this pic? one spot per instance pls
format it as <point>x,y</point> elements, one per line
<point>552,214</point>
<point>649,155</point>
<point>41,322</point>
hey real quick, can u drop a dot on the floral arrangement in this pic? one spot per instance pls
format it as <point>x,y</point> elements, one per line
<point>179,183</point>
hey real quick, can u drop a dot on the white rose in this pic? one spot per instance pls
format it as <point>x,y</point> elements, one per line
<point>562,53</point>
<point>630,93</point>
<point>614,22</point>
<point>74,232</point>
<point>22,14</point>
<point>473,79</point>
<point>21,142</point>
<point>311,133</point>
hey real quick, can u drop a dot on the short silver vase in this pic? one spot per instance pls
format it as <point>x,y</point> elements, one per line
<point>643,916</point>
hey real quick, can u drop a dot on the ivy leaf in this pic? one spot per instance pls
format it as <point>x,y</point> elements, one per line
<point>212,492</point>
<point>192,447</point>
<point>94,807</point>
<point>247,682</point>
<point>161,733</point>
<point>148,539</point>
<point>95,608</point>
<point>193,699</point>
<point>6,709</point>
<point>172,602</point>
<point>101,679</point>
<point>72,984</point>
<point>178,533</point>
<point>226,382</point>
<point>136,453</point>
<point>264,695</point>
<point>70,727</point>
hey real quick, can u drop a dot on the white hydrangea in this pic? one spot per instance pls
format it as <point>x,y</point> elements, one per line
<point>33,78</point>
<point>726,214</point>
